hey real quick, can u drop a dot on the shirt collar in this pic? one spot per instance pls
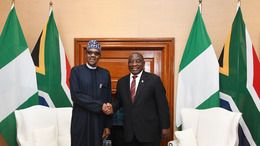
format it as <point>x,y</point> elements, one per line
<point>138,75</point>
<point>90,67</point>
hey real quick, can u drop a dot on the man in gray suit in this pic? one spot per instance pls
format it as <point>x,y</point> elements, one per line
<point>146,109</point>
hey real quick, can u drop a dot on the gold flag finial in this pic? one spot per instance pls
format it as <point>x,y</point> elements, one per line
<point>13,1</point>
<point>238,3</point>
<point>51,3</point>
<point>200,5</point>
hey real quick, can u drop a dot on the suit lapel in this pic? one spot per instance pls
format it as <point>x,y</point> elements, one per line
<point>141,84</point>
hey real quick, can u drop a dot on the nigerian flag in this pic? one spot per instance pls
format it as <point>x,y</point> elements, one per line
<point>198,80</point>
<point>240,81</point>
<point>18,87</point>
<point>52,67</point>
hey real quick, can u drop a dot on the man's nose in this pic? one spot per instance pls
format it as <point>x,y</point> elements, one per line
<point>134,63</point>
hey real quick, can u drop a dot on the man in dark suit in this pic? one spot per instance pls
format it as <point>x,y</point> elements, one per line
<point>146,110</point>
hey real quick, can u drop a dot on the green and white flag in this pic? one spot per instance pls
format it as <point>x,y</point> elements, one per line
<point>18,87</point>
<point>198,80</point>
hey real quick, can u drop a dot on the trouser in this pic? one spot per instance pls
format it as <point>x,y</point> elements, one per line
<point>135,142</point>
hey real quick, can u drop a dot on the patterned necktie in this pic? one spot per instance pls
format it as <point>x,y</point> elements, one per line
<point>132,91</point>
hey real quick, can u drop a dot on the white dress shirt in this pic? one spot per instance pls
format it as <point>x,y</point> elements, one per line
<point>136,80</point>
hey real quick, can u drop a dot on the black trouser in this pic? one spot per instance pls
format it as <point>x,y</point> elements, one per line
<point>135,142</point>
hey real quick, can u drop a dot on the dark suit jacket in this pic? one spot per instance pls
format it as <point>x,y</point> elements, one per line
<point>149,113</point>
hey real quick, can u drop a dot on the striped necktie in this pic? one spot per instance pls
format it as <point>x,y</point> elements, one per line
<point>132,91</point>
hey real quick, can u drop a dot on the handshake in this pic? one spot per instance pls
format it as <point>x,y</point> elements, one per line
<point>107,108</point>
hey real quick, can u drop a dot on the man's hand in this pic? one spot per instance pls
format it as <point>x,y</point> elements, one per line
<point>165,133</point>
<point>110,108</point>
<point>106,133</point>
<point>107,108</point>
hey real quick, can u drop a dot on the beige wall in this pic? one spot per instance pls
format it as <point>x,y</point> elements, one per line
<point>133,18</point>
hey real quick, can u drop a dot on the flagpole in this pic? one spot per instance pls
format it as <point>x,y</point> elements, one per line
<point>238,4</point>
<point>13,2</point>
<point>50,5</point>
<point>200,5</point>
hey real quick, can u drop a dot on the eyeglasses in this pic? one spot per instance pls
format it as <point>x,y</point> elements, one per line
<point>93,52</point>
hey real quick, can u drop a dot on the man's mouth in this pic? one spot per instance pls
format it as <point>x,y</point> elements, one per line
<point>134,69</point>
<point>92,59</point>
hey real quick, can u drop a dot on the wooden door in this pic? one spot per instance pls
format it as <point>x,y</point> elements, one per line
<point>158,55</point>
